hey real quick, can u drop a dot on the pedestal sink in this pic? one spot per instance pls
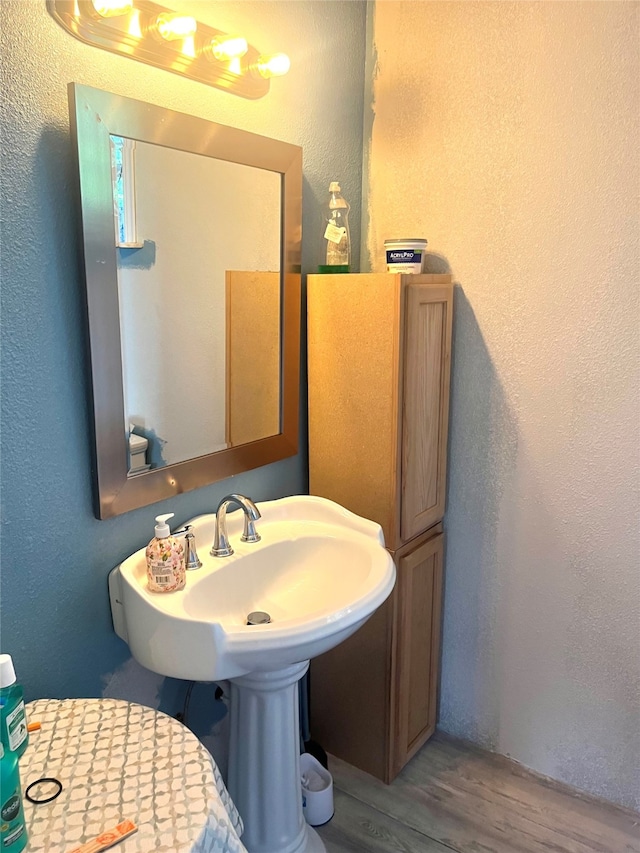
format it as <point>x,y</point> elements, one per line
<point>319,571</point>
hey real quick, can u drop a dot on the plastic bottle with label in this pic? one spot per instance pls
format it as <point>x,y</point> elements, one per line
<point>13,832</point>
<point>165,559</point>
<point>13,721</point>
<point>336,243</point>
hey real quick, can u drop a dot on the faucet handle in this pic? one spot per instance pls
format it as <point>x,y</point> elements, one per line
<point>191,559</point>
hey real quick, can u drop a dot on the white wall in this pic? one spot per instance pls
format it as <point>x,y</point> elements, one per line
<point>507,135</point>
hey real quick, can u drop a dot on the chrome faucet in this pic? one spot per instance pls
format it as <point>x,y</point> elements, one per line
<point>221,547</point>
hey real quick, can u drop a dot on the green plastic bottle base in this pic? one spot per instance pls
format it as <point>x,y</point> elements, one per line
<point>329,269</point>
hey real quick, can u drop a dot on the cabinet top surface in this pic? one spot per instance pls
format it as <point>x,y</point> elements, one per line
<point>406,278</point>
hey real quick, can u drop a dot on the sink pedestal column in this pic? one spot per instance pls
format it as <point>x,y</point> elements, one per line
<point>264,766</point>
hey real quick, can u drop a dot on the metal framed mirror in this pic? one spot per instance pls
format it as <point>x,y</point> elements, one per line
<point>192,240</point>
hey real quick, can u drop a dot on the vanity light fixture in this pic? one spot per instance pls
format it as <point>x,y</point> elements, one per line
<point>143,30</point>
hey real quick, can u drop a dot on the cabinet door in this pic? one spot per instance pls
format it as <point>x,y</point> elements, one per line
<point>418,647</point>
<point>425,408</point>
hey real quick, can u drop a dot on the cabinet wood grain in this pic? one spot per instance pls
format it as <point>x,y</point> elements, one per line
<point>425,408</point>
<point>379,354</point>
<point>420,595</point>
<point>252,356</point>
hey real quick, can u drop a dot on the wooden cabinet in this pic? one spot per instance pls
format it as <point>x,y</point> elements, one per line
<point>379,351</point>
<point>419,592</point>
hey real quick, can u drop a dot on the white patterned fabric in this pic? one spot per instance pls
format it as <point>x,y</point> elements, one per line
<point>119,761</point>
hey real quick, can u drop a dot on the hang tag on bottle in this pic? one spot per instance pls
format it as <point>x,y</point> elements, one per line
<point>334,234</point>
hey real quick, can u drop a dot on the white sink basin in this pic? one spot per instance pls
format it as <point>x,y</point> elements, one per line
<point>319,571</point>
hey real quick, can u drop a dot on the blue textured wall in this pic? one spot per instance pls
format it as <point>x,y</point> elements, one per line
<point>55,555</point>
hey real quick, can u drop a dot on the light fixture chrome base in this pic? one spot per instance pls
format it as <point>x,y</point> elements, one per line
<point>135,39</point>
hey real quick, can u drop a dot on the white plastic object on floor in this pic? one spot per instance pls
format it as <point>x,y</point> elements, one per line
<point>317,791</point>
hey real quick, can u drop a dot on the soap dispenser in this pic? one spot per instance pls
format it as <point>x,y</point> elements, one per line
<point>165,559</point>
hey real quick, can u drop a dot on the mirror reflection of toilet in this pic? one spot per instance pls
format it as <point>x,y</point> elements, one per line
<point>138,453</point>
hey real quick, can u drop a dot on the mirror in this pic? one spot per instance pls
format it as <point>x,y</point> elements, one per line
<point>192,238</point>
<point>175,262</point>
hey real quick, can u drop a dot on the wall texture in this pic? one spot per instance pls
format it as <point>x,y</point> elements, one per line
<point>55,555</point>
<point>507,135</point>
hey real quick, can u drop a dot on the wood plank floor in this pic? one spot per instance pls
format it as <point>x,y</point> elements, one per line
<point>454,797</point>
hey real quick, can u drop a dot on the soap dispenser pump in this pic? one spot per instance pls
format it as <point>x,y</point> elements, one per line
<point>165,559</point>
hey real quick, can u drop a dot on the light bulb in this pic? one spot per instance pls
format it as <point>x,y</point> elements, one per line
<point>273,66</point>
<point>171,27</point>
<point>112,8</point>
<point>226,47</point>
<point>135,28</point>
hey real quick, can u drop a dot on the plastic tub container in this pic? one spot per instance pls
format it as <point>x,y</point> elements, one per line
<point>406,256</point>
